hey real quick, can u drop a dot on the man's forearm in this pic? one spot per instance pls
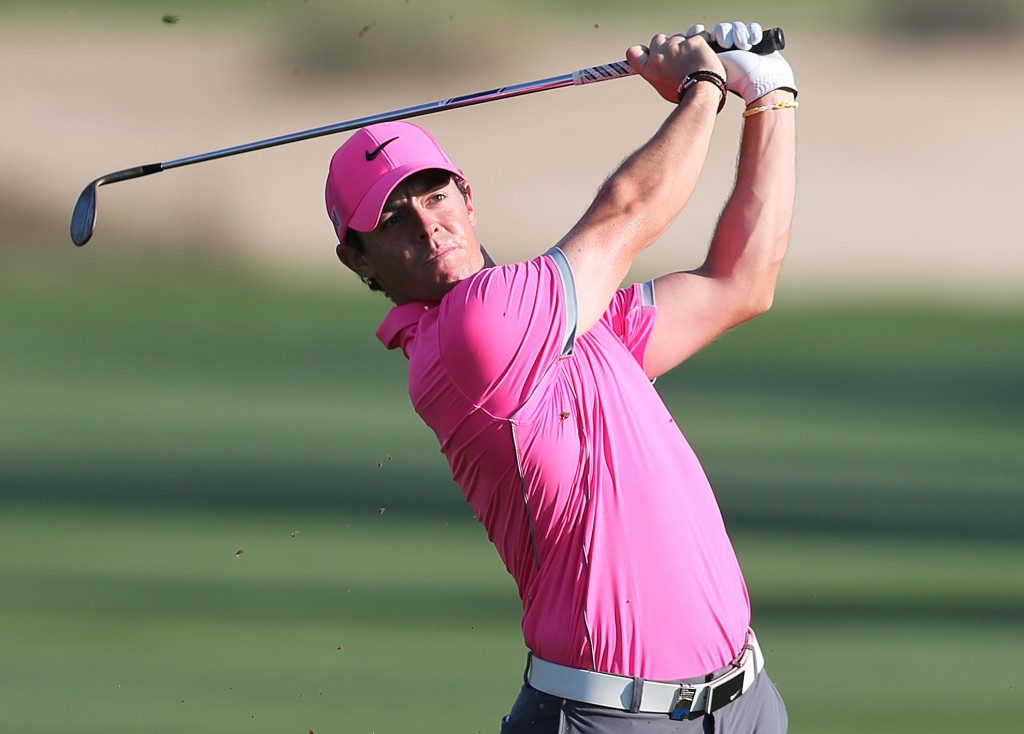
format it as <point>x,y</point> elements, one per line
<point>753,232</point>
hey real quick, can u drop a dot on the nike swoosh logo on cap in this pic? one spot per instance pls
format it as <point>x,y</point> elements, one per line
<point>370,155</point>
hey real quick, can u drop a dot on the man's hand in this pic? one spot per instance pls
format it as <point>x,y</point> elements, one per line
<point>748,75</point>
<point>667,61</point>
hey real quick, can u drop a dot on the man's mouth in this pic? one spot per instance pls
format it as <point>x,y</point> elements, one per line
<point>439,254</point>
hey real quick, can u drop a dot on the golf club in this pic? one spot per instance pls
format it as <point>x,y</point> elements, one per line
<point>83,217</point>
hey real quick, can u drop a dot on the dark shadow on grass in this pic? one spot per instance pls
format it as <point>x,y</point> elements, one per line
<point>349,603</point>
<point>343,602</point>
<point>784,503</point>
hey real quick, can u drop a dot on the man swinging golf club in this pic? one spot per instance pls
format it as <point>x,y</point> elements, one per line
<point>537,376</point>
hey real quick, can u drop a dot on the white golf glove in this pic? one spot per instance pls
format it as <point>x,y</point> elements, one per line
<point>749,75</point>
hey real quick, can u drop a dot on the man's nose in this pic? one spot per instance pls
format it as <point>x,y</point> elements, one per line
<point>427,223</point>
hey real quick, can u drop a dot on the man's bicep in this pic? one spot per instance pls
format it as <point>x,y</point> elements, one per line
<point>692,311</point>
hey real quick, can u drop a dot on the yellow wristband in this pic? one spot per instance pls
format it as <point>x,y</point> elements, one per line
<point>777,106</point>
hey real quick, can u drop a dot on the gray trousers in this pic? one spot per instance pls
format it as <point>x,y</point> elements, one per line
<point>758,711</point>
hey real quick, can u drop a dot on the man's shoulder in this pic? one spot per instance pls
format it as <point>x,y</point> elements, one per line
<point>495,288</point>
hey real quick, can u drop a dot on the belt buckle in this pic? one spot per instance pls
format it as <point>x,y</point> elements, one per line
<point>725,690</point>
<point>684,700</point>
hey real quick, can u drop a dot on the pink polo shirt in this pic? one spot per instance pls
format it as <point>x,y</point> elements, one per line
<point>593,498</point>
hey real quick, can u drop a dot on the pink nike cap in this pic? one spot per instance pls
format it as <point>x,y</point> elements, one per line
<point>370,164</point>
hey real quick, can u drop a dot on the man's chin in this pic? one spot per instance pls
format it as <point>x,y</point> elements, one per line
<point>454,277</point>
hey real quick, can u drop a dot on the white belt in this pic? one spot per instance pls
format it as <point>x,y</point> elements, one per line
<point>620,692</point>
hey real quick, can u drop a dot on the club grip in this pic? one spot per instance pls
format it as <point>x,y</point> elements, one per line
<point>773,40</point>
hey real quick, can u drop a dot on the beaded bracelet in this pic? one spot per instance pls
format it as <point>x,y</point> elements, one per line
<point>777,106</point>
<point>703,75</point>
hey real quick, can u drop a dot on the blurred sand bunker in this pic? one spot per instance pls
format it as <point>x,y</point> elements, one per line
<point>910,157</point>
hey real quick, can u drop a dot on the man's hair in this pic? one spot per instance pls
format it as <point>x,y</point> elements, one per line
<point>354,239</point>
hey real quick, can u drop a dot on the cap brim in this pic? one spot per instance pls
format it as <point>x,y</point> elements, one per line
<point>367,214</point>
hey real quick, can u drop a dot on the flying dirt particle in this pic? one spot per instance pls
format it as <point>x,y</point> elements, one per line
<point>380,510</point>
<point>596,26</point>
<point>295,533</point>
<point>340,648</point>
<point>239,552</point>
<point>366,28</point>
<point>170,19</point>
<point>563,416</point>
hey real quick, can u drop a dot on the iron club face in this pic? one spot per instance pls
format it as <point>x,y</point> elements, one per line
<point>83,218</point>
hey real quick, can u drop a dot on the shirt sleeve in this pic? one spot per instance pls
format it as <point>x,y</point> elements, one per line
<point>501,332</point>
<point>630,316</point>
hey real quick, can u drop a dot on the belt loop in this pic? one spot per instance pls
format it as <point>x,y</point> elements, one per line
<point>638,694</point>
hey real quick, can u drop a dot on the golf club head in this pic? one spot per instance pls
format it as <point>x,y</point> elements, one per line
<point>83,218</point>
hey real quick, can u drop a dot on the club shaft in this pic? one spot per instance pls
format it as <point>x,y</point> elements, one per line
<point>583,76</point>
<point>773,40</point>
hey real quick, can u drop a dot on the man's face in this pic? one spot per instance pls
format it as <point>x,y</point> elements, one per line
<point>424,243</point>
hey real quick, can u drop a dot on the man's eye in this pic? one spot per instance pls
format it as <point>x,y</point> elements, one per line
<point>389,221</point>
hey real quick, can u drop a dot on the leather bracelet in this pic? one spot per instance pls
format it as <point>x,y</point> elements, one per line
<point>704,75</point>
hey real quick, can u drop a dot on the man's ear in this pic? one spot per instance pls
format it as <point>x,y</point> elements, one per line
<point>470,207</point>
<point>354,260</point>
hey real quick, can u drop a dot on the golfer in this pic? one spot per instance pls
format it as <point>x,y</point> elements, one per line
<point>537,378</point>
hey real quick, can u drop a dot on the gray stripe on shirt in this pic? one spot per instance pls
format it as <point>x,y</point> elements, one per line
<point>571,306</point>
<point>647,293</point>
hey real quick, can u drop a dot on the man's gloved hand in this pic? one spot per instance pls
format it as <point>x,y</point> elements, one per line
<point>749,75</point>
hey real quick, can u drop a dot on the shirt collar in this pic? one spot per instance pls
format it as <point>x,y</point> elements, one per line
<point>398,325</point>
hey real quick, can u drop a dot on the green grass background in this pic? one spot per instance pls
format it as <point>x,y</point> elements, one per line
<point>219,513</point>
